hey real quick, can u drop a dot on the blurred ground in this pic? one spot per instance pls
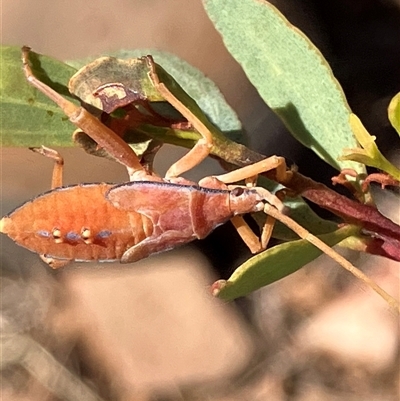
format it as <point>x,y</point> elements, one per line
<point>151,331</point>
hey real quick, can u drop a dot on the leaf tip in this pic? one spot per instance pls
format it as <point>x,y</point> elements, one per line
<point>217,287</point>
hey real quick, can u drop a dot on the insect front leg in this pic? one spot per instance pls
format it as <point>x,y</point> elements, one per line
<point>246,234</point>
<point>253,242</point>
<point>104,136</point>
<point>249,175</point>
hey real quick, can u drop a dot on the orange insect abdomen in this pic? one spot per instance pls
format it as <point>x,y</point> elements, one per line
<point>76,223</point>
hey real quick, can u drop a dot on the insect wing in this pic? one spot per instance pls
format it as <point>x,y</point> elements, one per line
<point>173,207</point>
<point>150,197</point>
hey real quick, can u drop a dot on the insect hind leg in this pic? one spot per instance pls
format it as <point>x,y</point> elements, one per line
<point>81,118</point>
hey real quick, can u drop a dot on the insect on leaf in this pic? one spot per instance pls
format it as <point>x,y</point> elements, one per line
<point>196,88</point>
<point>290,74</point>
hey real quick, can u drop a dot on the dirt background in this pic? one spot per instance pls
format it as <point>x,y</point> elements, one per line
<point>152,331</point>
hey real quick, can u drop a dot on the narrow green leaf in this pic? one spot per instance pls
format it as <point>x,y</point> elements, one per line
<point>290,74</point>
<point>28,117</point>
<point>394,112</point>
<point>369,154</point>
<point>274,264</point>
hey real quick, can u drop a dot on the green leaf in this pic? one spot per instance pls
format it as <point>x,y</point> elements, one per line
<point>31,119</point>
<point>290,74</point>
<point>394,112</point>
<point>274,264</point>
<point>369,154</point>
<point>28,117</point>
<point>179,93</point>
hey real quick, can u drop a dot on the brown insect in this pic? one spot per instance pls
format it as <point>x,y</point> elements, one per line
<point>129,221</point>
<point>147,215</point>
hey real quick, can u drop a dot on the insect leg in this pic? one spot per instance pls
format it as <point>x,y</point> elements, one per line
<point>267,231</point>
<point>254,243</point>
<point>247,234</point>
<point>312,239</point>
<point>203,146</point>
<point>54,263</point>
<point>57,177</point>
<point>249,174</point>
<point>80,117</point>
<point>56,181</point>
<point>155,244</point>
<point>243,173</point>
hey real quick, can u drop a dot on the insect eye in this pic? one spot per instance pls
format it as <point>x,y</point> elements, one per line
<point>237,191</point>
